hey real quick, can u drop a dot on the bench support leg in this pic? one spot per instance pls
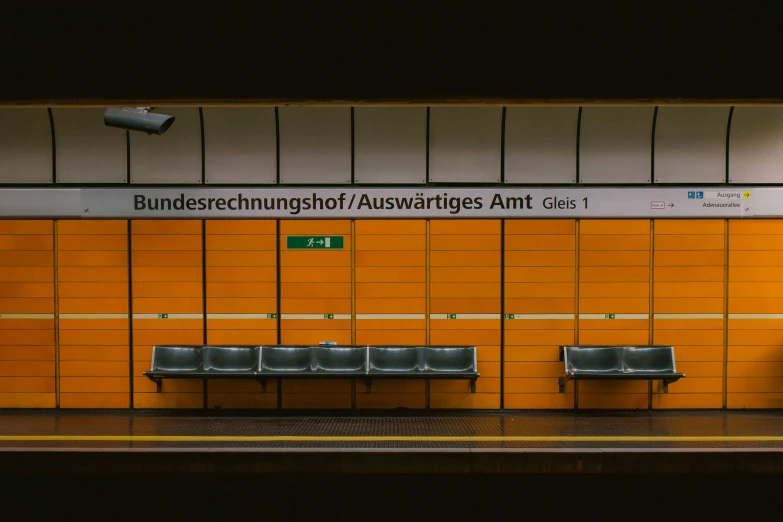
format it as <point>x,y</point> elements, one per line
<point>649,394</point>
<point>353,394</point>
<point>561,381</point>
<point>158,384</point>
<point>473,386</point>
<point>576,395</point>
<point>263,385</point>
<point>279,394</point>
<point>665,386</point>
<point>427,393</point>
<point>205,388</point>
<point>368,386</point>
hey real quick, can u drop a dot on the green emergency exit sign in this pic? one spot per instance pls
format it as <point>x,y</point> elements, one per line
<point>609,316</point>
<point>314,242</point>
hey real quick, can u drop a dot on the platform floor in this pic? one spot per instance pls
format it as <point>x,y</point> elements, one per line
<point>413,466</point>
<point>390,442</point>
<point>490,430</point>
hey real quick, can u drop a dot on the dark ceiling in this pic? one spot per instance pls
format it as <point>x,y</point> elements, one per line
<point>99,51</point>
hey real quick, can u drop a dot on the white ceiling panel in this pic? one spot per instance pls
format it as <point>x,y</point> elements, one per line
<point>315,145</point>
<point>615,145</point>
<point>756,145</point>
<point>541,145</point>
<point>240,145</point>
<point>25,146</point>
<point>173,157</point>
<point>690,144</point>
<point>390,144</point>
<point>87,150</point>
<point>465,144</point>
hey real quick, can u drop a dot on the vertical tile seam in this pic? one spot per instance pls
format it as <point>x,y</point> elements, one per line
<point>353,281</point>
<point>54,145</point>
<point>203,147</point>
<point>353,149</point>
<point>427,282</point>
<point>131,354</point>
<point>727,172</point>
<point>55,263</point>
<point>427,156</point>
<point>577,232</point>
<point>278,285</point>
<point>577,179</point>
<point>503,307</point>
<point>652,179</point>
<point>724,379</point>
<point>651,313</point>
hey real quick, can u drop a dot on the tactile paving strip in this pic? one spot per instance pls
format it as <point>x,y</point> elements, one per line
<point>421,431</point>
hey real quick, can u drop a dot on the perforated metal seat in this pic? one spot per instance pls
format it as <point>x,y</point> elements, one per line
<point>344,360</point>
<point>284,360</point>
<point>176,359</point>
<point>393,359</point>
<point>231,359</point>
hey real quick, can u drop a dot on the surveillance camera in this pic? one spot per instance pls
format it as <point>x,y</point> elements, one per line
<point>138,119</point>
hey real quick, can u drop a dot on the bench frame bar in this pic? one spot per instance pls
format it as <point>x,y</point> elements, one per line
<point>158,380</point>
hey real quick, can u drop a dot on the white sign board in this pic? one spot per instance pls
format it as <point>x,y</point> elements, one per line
<point>392,203</point>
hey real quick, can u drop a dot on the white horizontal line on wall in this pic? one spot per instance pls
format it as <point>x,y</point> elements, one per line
<point>314,316</point>
<point>390,316</point>
<point>614,316</point>
<point>168,316</point>
<point>464,316</point>
<point>242,316</point>
<point>93,316</point>
<point>531,317</point>
<point>687,316</point>
<point>26,316</point>
<point>755,316</point>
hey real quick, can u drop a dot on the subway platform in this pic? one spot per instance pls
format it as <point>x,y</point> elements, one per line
<point>409,442</point>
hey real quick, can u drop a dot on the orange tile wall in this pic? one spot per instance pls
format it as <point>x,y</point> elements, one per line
<point>561,279</point>
<point>93,297</point>
<point>315,283</point>
<point>755,358</point>
<point>614,278</point>
<point>688,304</point>
<point>167,275</point>
<point>391,282</point>
<point>241,294</point>
<point>27,354</point>
<point>465,280</point>
<point>540,277</point>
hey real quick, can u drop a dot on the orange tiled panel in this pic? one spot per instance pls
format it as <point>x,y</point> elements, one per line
<point>755,358</point>
<point>688,305</point>
<point>315,284</point>
<point>241,300</point>
<point>92,258</point>
<point>614,278</point>
<point>27,314</point>
<point>465,281</point>
<point>166,270</point>
<point>540,292</point>
<point>390,300</point>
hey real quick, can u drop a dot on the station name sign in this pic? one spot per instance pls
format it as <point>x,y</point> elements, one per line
<point>392,203</point>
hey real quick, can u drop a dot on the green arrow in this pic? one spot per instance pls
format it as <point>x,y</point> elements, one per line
<point>451,316</point>
<point>609,316</point>
<point>271,316</point>
<point>328,316</point>
<point>163,316</point>
<point>509,316</point>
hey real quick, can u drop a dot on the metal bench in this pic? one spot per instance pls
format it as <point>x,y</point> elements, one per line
<point>620,363</point>
<point>279,362</point>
